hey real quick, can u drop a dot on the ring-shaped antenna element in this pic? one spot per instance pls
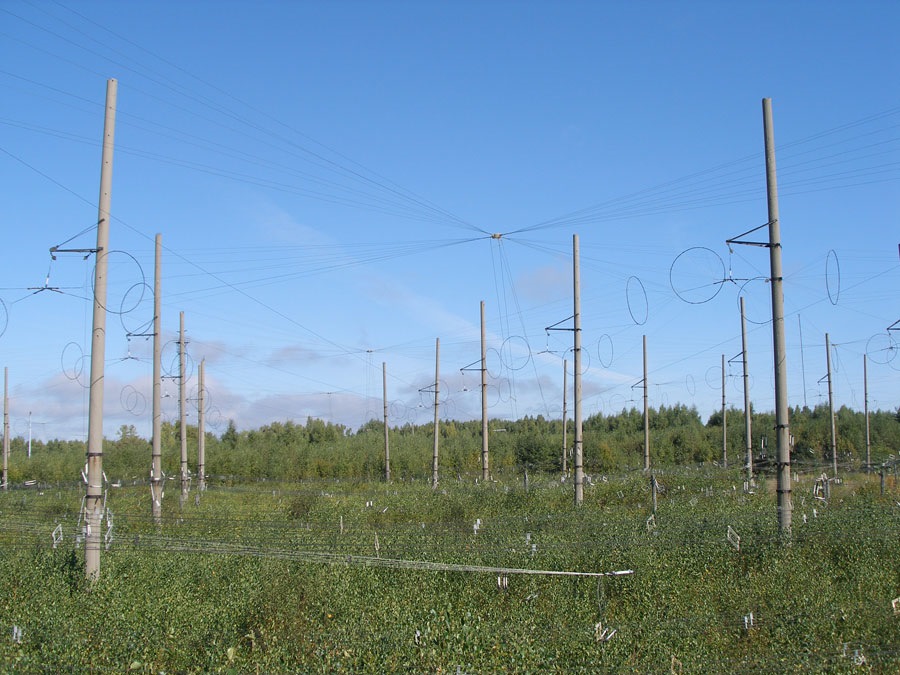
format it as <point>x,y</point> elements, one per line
<point>881,348</point>
<point>758,318</point>
<point>135,299</point>
<point>570,362</point>
<point>493,363</point>
<point>515,352</point>
<point>4,317</point>
<point>833,277</point>
<point>697,275</point>
<point>636,299</point>
<point>690,385</point>
<point>605,348</point>
<point>72,362</point>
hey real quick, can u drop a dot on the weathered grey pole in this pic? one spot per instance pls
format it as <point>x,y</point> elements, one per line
<point>579,442</point>
<point>182,409</point>
<point>387,443</point>
<point>782,424</point>
<point>156,488</point>
<point>866,406</point>
<point>201,426</point>
<point>5,428</point>
<point>646,411</point>
<point>437,386</point>
<point>93,502</point>
<point>565,442</point>
<point>485,465</point>
<point>748,437</point>
<point>724,420</point>
<point>831,405</point>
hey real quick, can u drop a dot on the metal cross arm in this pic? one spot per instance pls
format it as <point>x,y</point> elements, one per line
<point>736,240</point>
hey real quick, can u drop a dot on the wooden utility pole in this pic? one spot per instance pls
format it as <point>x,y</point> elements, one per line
<point>565,442</point>
<point>831,406</point>
<point>93,501</point>
<point>748,439</point>
<point>182,409</point>
<point>437,386</point>
<point>5,428</point>
<point>724,420</point>
<point>201,427</point>
<point>485,466</point>
<point>387,445</point>
<point>646,411</point>
<point>579,441</point>
<point>156,486</point>
<point>782,424</point>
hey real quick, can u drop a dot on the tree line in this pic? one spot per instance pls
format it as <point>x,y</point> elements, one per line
<point>615,442</point>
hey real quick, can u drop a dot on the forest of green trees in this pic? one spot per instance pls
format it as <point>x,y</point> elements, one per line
<point>318,449</point>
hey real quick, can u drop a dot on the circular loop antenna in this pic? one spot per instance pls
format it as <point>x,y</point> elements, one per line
<point>615,401</point>
<point>697,275</point>
<point>493,395</point>
<point>132,400</point>
<point>72,362</point>
<point>690,384</point>
<point>881,348</point>
<point>714,378</point>
<point>122,259</point>
<point>194,398</point>
<point>758,318</point>
<point>169,359</point>
<point>398,411</point>
<point>605,349</point>
<point>4,317</point>
<point>504,389</point>
<point>130,301</point>
<point>214,418</point>
<point>170,362</point>
<point>636,299</point>
<point>833,277</point>
<point>448,409</point>
<point>515,352</point>
<point>492,363</point>
<point>570,362</point>
<point>738,382</point>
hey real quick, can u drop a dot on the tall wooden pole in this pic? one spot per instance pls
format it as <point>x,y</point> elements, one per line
<point>93,502</point>
<point>387,444</point>
<point>485,465</point>
<point>724,420</point>
<point>156,488</point>
<point>831,405</point>
<point>579,442</point>
<point>866,405</point>
<point>782,424</point>
<point>748,438</point>
<point>565,442</point>
<point>5,428</point>
<point>646,411</point>
<point>182,409</point>
<point>201,426</point>
<point>437,386</point>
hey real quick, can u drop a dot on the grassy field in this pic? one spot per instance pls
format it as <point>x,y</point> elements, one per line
<point>372,577</point>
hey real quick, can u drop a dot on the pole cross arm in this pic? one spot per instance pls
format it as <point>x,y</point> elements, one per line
<point>737,239</point>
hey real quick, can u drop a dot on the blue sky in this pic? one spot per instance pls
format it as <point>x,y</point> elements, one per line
<point>326,178</point>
